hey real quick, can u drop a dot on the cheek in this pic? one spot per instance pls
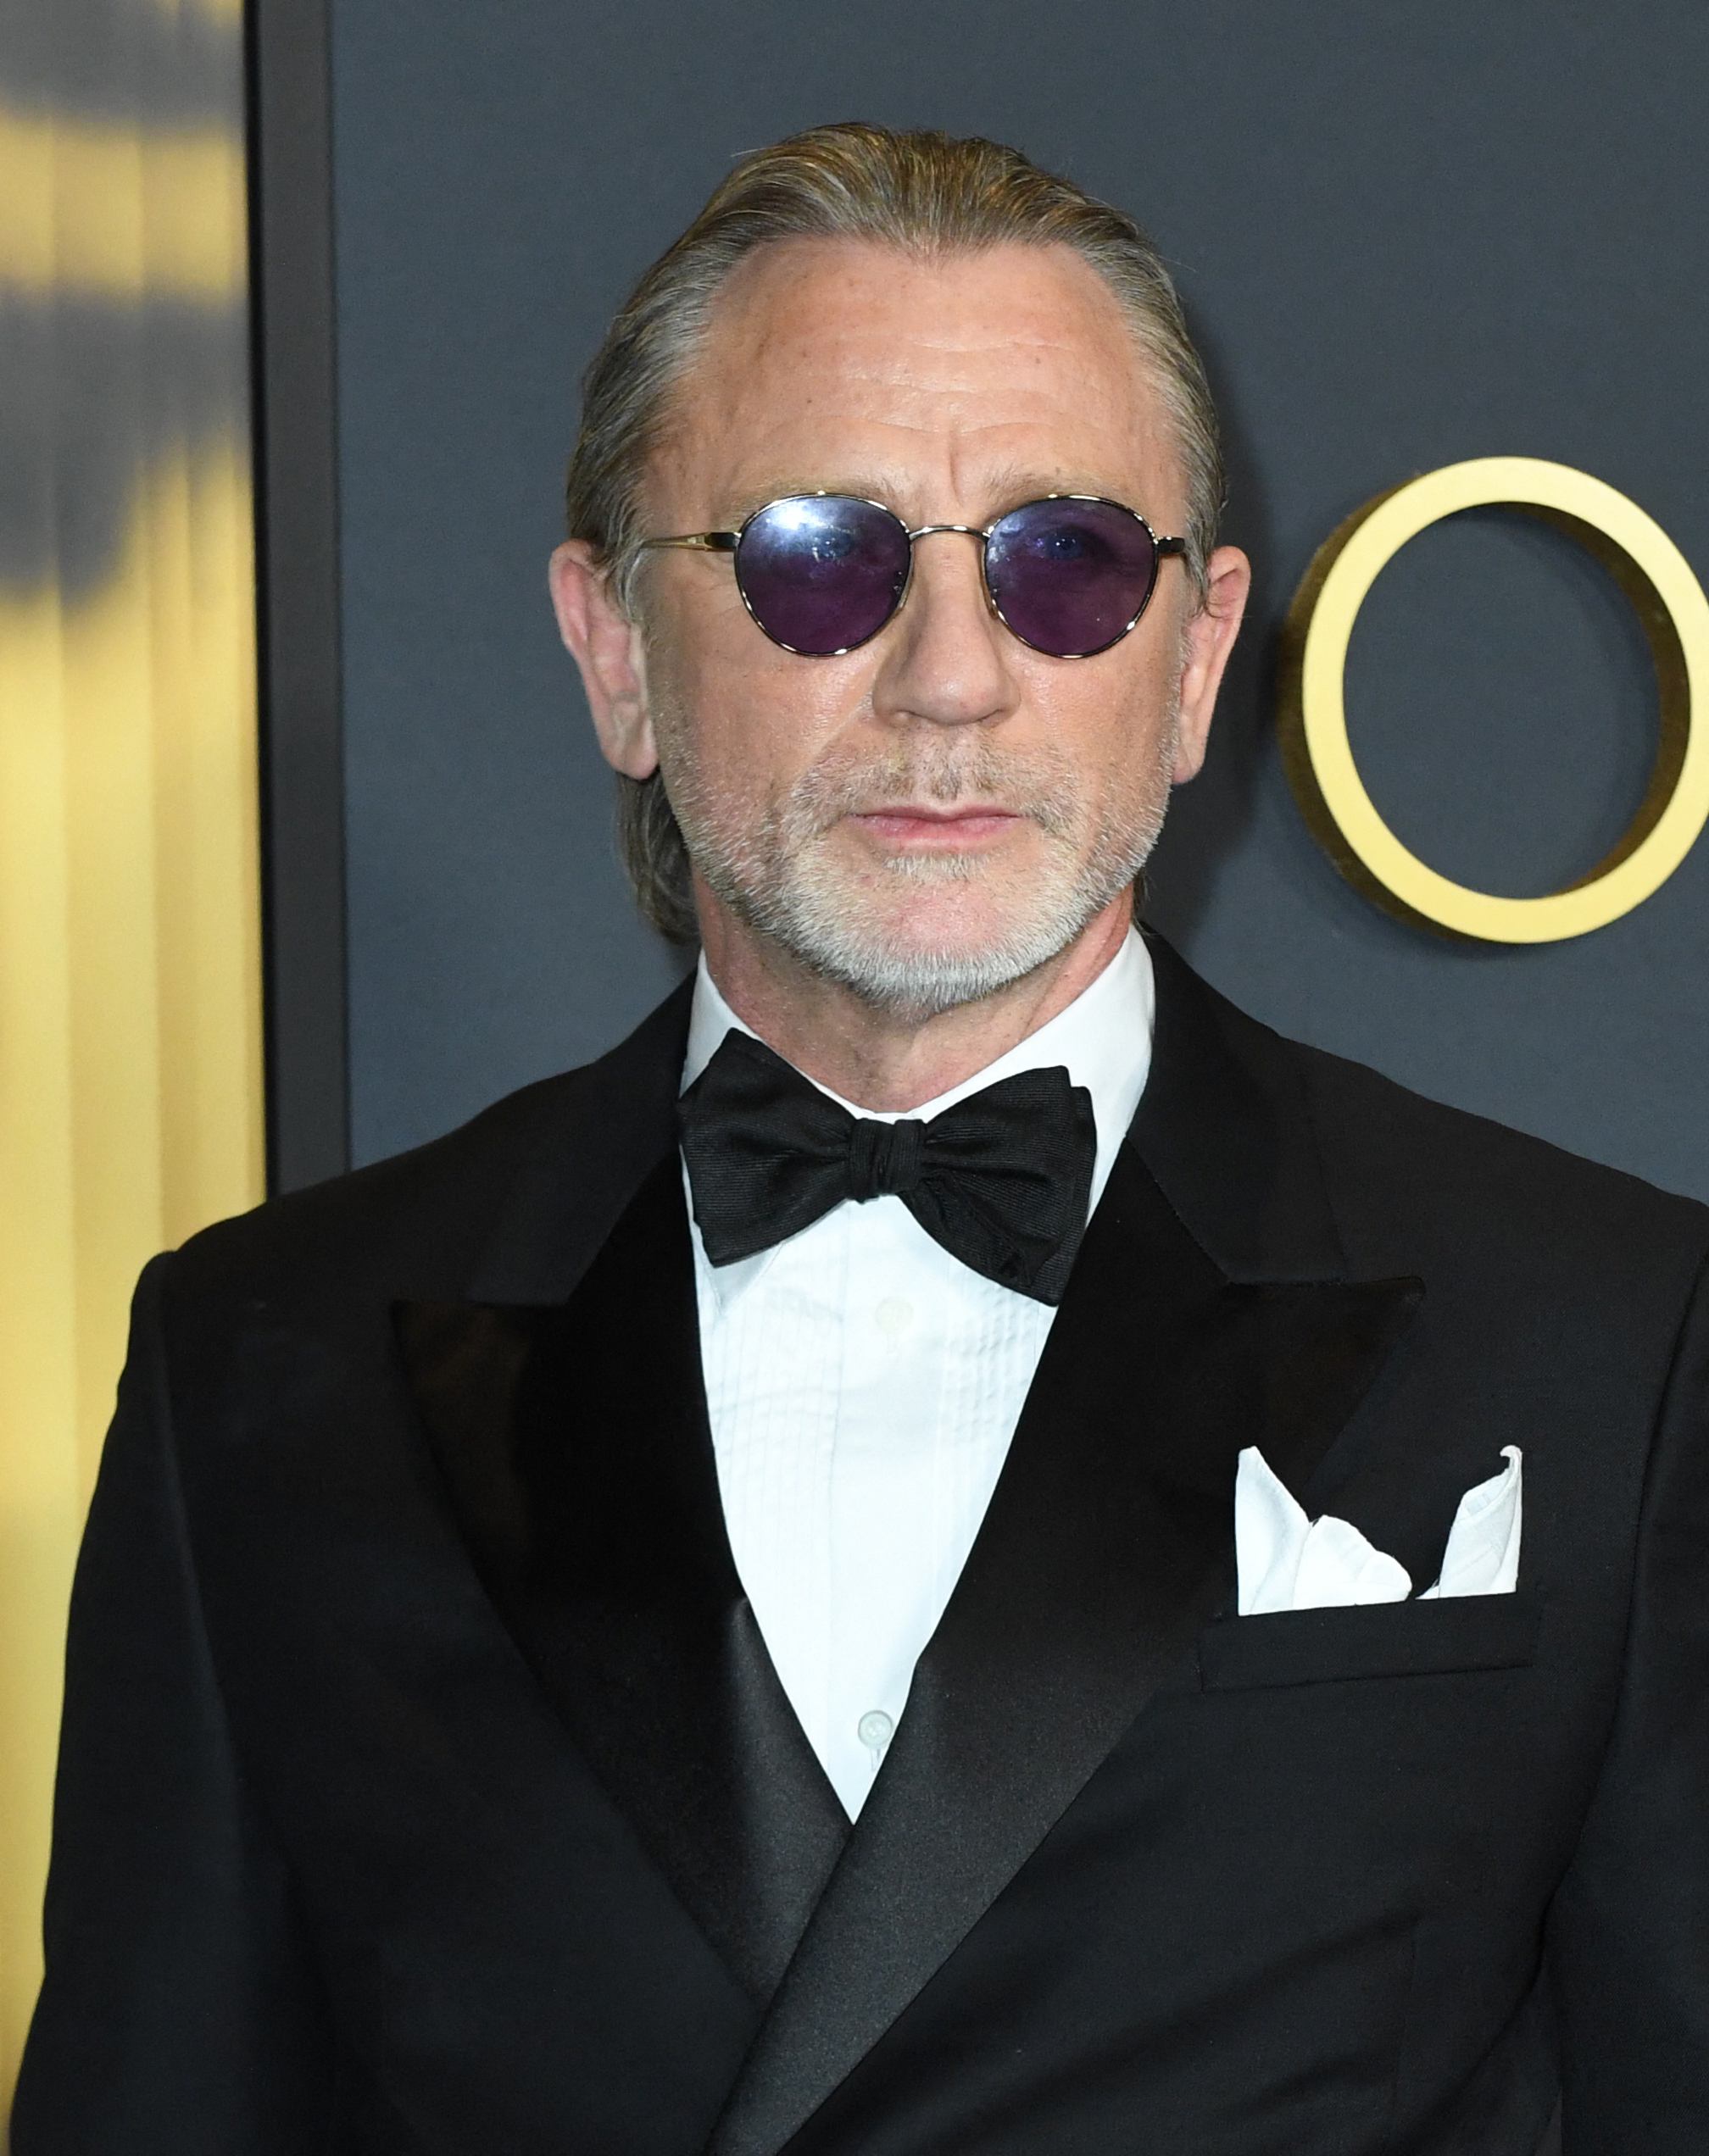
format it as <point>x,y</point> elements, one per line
<point>751,718</point>
<point>1110,730</point>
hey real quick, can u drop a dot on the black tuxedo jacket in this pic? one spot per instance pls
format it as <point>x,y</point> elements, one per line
<point>425,1785</point>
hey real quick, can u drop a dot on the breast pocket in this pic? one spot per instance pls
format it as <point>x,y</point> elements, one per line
<point>1386,1639</point>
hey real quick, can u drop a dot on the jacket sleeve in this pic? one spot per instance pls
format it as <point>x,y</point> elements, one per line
<point>1629,1944</point>
<point>179,2016</point>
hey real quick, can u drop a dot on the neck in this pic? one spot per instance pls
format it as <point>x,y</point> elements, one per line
<point>884,1060</point>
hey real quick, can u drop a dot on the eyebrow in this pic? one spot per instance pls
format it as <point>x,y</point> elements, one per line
<point>1006,488</point>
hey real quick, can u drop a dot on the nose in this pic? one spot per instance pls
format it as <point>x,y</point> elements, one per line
<point>945,662</point>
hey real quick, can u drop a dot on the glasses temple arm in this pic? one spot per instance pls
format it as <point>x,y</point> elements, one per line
<point>702,543</point>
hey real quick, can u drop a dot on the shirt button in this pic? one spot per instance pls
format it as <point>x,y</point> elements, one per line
<point>875,1730</point>
<point>893,1315</point>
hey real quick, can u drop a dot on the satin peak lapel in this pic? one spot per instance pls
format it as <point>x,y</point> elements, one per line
<point>573,1445</point>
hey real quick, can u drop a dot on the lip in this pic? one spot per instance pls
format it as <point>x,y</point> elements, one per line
<point>909,822</point>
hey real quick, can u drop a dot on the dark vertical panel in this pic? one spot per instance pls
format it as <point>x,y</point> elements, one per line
<point>296,468</point>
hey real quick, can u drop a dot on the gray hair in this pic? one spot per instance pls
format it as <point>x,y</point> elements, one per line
<point>923,192</point>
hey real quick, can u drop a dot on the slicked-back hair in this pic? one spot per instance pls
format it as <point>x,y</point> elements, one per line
<point>923,193</point>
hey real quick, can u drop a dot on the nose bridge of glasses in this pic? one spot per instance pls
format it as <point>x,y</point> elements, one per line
<point>981,532</point>
<point>928,530</point>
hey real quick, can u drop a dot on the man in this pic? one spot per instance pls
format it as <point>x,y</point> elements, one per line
<point>706,1609</point>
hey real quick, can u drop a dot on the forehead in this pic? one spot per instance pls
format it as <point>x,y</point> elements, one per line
<point>844,364</point>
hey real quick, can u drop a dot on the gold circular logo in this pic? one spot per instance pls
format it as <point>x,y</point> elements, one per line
<point>1673,612</point>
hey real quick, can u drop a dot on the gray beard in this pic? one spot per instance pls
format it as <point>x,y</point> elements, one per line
<point>779,879</point>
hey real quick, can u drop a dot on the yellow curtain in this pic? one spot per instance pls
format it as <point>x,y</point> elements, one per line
<point>129,998</point>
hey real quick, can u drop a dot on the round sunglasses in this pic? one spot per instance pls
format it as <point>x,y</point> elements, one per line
<point>822,574</point>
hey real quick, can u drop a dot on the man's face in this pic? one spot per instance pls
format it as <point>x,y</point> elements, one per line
<point>936,814</point>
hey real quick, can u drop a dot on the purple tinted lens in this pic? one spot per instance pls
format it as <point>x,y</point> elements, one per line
<point>1070,577</point>
<point>822,572</point>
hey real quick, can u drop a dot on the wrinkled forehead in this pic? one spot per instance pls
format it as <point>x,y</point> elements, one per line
<point>933,368</point>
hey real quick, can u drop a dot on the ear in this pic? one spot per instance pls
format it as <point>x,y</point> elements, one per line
<point>1207,639</point>
<point>607,648</point>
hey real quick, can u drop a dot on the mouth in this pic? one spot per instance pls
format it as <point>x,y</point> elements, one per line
<point>932,828</point>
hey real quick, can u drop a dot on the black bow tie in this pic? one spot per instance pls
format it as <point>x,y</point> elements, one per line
<point>1001,1180</point>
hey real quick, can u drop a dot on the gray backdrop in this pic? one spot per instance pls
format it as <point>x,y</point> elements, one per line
<point>1406,235</point>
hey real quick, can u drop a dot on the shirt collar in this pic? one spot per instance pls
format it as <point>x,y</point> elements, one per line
<point>1102,1037</point>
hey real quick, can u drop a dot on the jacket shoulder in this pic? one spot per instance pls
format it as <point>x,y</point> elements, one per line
<point>417,1222</point>
<point>1393,1152</point>
<point>1411,1187</point>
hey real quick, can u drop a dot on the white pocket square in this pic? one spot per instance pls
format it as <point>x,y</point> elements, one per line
<point>1286,1561</point>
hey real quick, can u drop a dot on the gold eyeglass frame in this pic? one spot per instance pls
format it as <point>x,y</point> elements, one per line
<point>730,542</point>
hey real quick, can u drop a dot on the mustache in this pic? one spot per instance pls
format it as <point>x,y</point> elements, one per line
<point>1038,784</point>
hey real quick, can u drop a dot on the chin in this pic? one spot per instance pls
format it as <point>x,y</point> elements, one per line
<point>949,940</point>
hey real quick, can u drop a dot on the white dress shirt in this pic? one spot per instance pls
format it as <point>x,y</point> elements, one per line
<point>863,1386</point>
